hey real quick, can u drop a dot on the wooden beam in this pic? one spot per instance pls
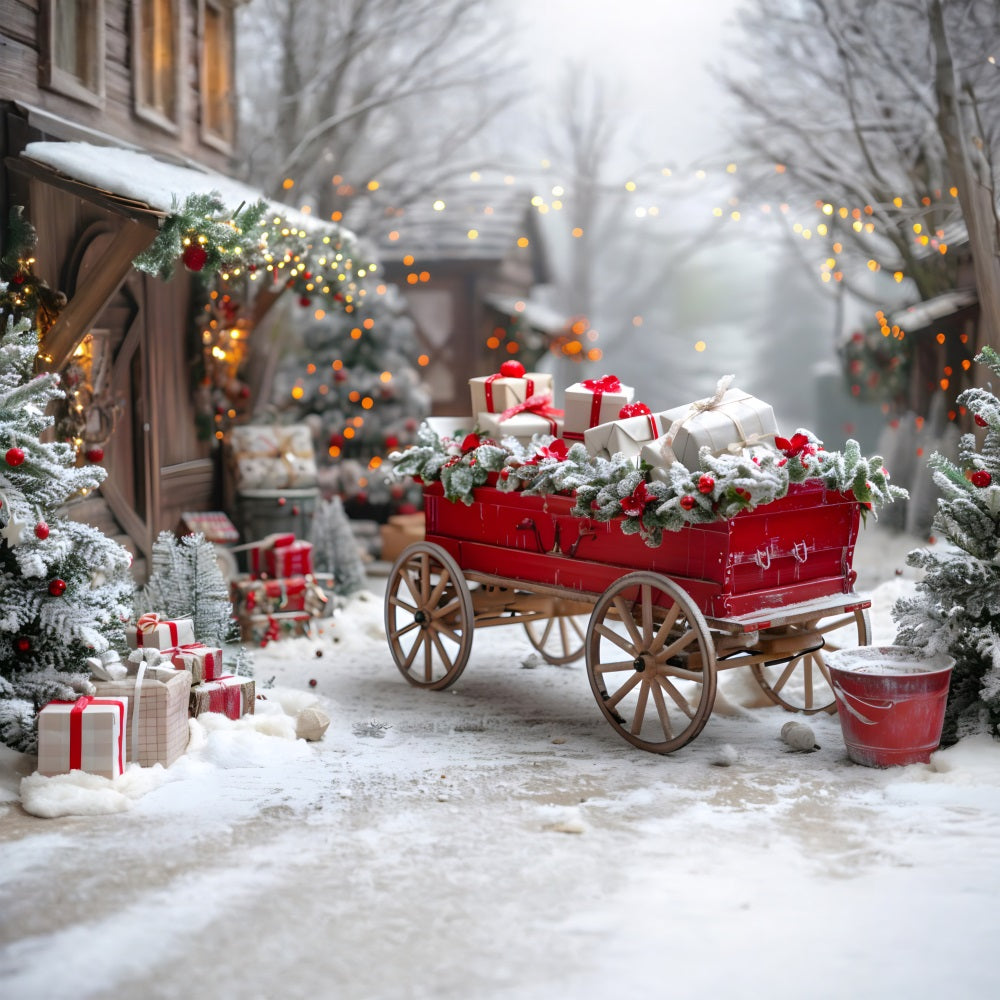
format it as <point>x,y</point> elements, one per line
<point>86,305</point>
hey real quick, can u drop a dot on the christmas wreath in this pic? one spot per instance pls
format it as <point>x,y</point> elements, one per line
<point>648,501</point>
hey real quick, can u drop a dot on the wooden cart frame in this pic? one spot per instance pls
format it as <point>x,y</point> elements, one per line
<point>655,625</point>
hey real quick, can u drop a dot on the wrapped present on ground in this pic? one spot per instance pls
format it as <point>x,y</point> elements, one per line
<point>157,717</point>
<point>230,696</point>
<point>594,401</point>
<point>213,524</point>
<point>635,427</point>
<point>400,531</point>
<point>271,457</point>
<point>297,593</point>
<point>203,663</point>
<point>289,560</point>
<point>729,421</point>
<point>257,551</point>
<point>155,632</point>
<point>509,387</point>
<point>259,630</point>
<point>83,735</point>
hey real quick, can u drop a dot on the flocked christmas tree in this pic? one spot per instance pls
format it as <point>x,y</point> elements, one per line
<point>956,609</point>
<point>65,588</point>
<point>356,383</point>
<point>335,549</point>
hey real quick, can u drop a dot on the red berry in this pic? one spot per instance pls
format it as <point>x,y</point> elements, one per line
<point>979,420</point>
<point>512,369</point>
<point>94,455</point>
<point>22,644</point>
<point>57,587</point>
<point>195,256</point>
<point>15,456</point>
<point>706,484</point>
<point>391,441</point>
<point>981,478</point>
<point>688,502</point>
<point>305,301</point>
<point>41,530</point>
<point>312,680</point>
<point>282,501</point>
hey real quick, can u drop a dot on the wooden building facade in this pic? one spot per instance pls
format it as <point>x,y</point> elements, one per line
<point>153,76</point>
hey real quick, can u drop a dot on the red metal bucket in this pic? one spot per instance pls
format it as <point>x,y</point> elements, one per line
<point>891,702</point>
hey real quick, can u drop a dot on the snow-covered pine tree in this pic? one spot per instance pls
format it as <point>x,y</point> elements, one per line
<point>355,381</point>
<point>186,582</point>
<point>956,608</point>
<point>335,549</point>
<point>65,588</point>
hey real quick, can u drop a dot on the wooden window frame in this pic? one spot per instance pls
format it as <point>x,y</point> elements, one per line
<point>142,105</point>
<point>60,80</point>
<point>222,141</point>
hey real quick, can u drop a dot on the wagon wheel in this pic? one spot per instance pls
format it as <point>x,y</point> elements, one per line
<point>428,616</point>
<point>800,680</point>
<point>652,669</point>
<point>561,637</point>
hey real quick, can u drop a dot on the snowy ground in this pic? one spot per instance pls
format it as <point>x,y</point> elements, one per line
<point>500,841</point>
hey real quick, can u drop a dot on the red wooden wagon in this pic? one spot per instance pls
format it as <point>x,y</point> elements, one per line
<point>770,589</point>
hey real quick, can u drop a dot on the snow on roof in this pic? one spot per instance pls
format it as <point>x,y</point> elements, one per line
<point>150,180</point>
<point>922,314</point>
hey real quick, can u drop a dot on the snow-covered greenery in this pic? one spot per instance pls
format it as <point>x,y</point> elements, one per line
<point>647,504</point>
<point>956,609</point>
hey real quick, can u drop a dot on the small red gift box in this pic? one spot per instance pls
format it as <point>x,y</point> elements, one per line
<point>257,555</point>
<point>83,735</point>
<point>294,559</point>
<point>230,696</point>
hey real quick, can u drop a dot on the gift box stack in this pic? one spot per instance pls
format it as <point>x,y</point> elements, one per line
<point>515,403</point>
<point>604,414</point>
<point>281,594</point>
<point>168,647</point>
<point>274,478</point>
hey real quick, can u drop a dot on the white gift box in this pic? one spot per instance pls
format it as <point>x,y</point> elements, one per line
<point>727,422</point>
<point>153,632</point>
<point>593,404</point>
<point>451,427</point>
<point>271,457</point>
<point>625,436</point>
<point>496,393</point>
<point>522,426</point>
<point>83,735</point>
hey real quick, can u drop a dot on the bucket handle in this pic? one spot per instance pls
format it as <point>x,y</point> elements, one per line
<point>846,699</point>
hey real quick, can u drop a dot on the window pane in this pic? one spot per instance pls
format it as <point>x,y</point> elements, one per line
<point>75,40</point>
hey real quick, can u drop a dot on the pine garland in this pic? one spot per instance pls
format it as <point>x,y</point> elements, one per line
<point>956,609</point>
<point>647,501</point>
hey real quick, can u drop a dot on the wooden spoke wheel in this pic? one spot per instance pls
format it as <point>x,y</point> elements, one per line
<point>800,681</point>
<point>560,638</point>
<point>428,616</point>
<point>651,662</point>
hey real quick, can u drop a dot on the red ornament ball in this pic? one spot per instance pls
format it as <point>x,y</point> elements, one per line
<point>15,456</point>
<point>687,502</point>
<point>195,256</point>
<point>295,511</point>
<point>512,369</point>
<point>981,478</point>
<point>57,587</point>
<point>706,484</point>
<point>336,440</point>
<point>305,301</point>
<point>980,422</point>
<point>312,682</point>
<point>391,441</point>
<point>94,455</point>
<point>22,644</point>
<point>41,530</point>
<point>282,501</point>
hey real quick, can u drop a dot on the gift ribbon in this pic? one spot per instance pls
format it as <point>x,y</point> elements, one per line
<point>134,737</point>
<point>540,406</point>
<point>599,386</point>
<point>76,728</point>
<point>226,698</point>
<point>699,406</point>
<point>529,389</point>
<point>194,648</point>
<point>149,623</point>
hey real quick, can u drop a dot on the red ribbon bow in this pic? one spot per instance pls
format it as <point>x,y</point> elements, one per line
<point>635,504</point>
<point>540,405</point>
<point>599,386</point>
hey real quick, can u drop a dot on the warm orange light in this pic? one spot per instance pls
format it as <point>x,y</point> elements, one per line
<point>940,338</point>
<point>368,323</point>
<point>298,392</point>
<point>354,395</point>
<point>337,365</point>
<point>595,354</point>
<point>375,462</point>
<point>944,383</point>
<point>333,451</point>
<point>356,333</point>
<point>513,347</point>
<point>408,260</point>
<point>348,432</point>
<point>411,279</point>
<point>310,369</point>
<point>385,377</point>
<point>367,403</point>
<point>423,360</point>
<point>492,343</point>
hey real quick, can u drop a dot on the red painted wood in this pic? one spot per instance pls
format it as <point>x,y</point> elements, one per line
<point>794,549</point>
